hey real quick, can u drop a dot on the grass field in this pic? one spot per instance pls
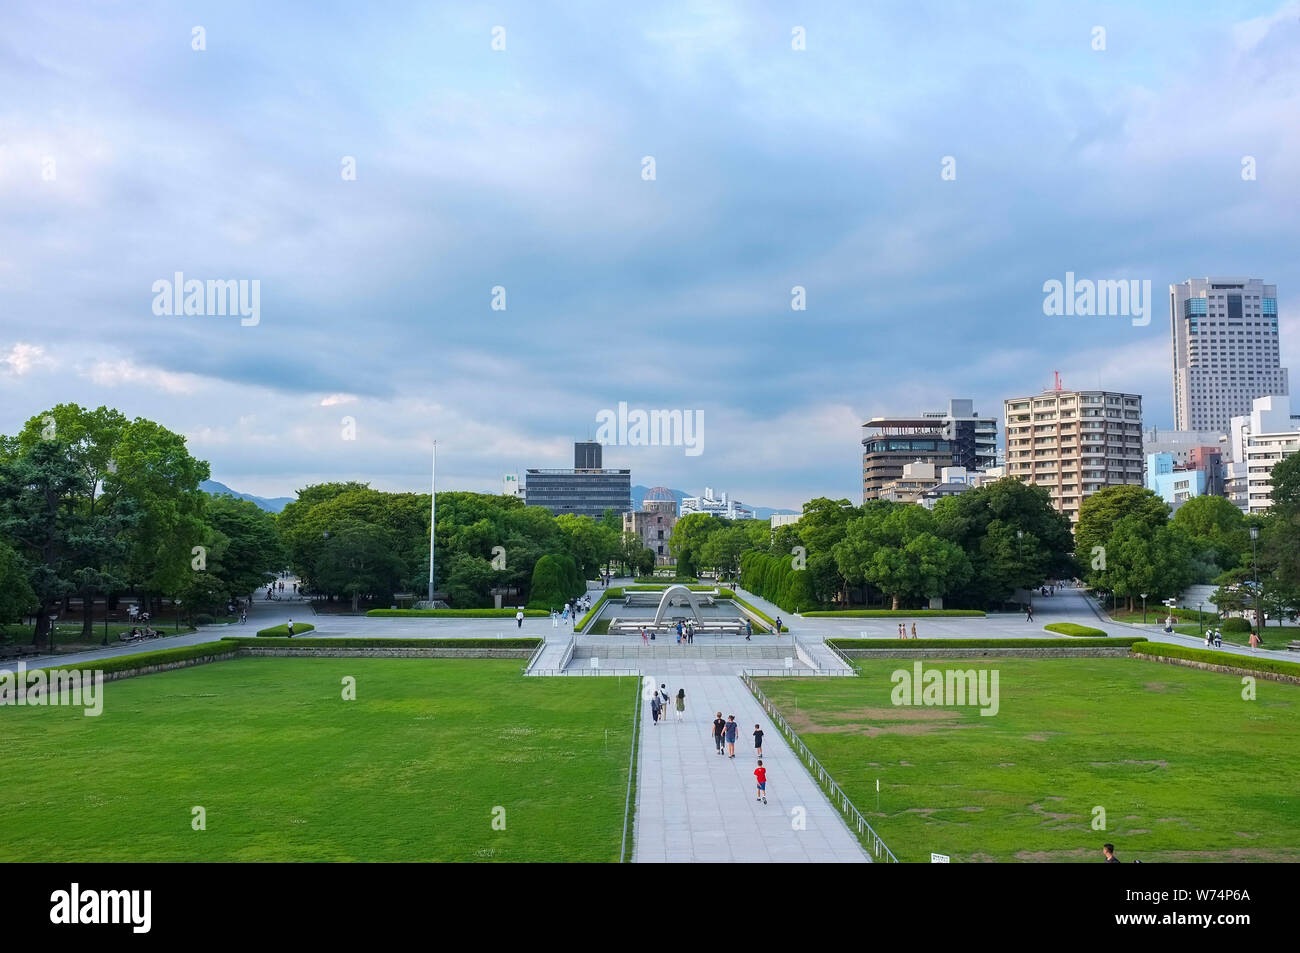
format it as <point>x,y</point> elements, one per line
<point>287,770</point>
<point>69,634</point>
<point>1272,637</point>
<point>1185,769</point>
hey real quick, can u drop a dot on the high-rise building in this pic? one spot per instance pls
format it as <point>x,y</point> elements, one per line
<point>1225,348</point>
<point>1269,433</point>
<point>956,437</point>
<point>583,491</point>
<point>1074,443</point>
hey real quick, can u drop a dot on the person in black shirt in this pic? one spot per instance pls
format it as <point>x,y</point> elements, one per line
<point>1109,851</point>
<point>758,741</point>
<point>719,726</point>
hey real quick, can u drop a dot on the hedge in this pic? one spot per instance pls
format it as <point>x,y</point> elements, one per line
<point>895,613</point>
<point>556,580</point>
<point>319,643</point>
<point>776,580</point>
<point>455,613</point>
<point>615,593</point>
<point>125,663</point>
<point>666,579</point>
<point>1069,628</point>
<point>1235,624</point>
<point>703,588</point>
<point>980,643</point>
<point>1254,663</point>
<point>278,630</point>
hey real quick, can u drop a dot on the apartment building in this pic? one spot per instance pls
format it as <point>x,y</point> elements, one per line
<point>1074,443</point>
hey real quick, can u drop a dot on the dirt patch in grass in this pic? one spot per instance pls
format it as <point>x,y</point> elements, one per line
<point>1051,815</point>
<point>879,721</point>
<point>1043,735</point>
<point>1105,764</point>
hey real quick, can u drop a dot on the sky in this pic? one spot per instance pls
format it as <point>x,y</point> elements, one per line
<point>919,169</point>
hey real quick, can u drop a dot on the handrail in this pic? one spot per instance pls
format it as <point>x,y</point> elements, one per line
<point>537,653</point>
<point>567,657</point>
<point>837,796</point>
<point>631,767</point>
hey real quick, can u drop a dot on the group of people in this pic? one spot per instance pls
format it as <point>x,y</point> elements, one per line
<point>725,732</point>
<point>1213,637</point>
<point>902,630</point>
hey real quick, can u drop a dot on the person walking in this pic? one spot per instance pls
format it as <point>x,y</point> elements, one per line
<point>760,779</point>
<point>681,703</point>
<point>732,727</point>
<point>719,727</point>
<point>243,616</point>
<point>1254,640</point>
<point>1029,612</point>
<point>913,630</point>
<point>749,629</point>
<point>289,626</point>
<point>519,619</point>
<point>645,639</point>
<point>777,630</point>
<point>654,709</point>
<point>758,742</point>
<point>690,636</point>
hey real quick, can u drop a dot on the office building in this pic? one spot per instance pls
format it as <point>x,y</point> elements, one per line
<point>583,491</point>
<point>1074,443</point>
<point>1225,350</point>
<point>956,437</point>
<point>1269,433</point>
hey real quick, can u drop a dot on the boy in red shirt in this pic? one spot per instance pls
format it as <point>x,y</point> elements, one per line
<point>760,775</point>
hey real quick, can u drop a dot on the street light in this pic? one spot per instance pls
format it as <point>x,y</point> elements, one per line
<point>178,615</point>
<point>1254,565</point>
<point>1144,608</point>
<point>1200,621</point>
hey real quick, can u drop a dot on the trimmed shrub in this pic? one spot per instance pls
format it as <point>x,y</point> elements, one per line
<point>556,580</point>
<point>615,593</point>
<point>776,580</point>
<point>1235,624</point>
<point>668,580</point>
<point>896,613</point>
<point>1081,631</point>
<point>1254,663</point>
<point>277,631</point>
<point>981,643</point>
<point>126,663</point>
<point>203,619</point>
<point>453,613</point>
<point>319,643</point>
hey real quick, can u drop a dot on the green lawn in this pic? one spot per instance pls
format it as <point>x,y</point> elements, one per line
<point>1185,769</point>
<point>1273,636</point>
<point>287,770</point>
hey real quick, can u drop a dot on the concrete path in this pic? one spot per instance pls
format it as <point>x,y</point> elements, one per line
<point>696,806</point>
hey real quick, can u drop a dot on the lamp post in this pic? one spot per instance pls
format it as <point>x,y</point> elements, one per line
<point>1144,608</point>
<point>1200,620</point>
<point>1254,565</point>
<point>178,615</point>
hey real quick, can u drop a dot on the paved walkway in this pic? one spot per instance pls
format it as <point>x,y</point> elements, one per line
<point>693,805</point>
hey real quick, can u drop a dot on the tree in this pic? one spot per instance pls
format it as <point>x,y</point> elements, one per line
<point>359,559</point>
<point>1216,530</point>
<point>722,548</point>
<point>556,580</point>
<point>16,595</point>
<point>688,538</point>
<point>1099,514</point>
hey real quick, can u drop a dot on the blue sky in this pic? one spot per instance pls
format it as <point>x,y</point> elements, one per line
<point>523,168</point>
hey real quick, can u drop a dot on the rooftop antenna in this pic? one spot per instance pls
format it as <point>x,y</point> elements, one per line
<point>1056,385</point>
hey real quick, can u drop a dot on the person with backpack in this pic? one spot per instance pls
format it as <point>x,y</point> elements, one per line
<point>654,709</point>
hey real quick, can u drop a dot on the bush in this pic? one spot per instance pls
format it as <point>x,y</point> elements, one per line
<point>319,643</point>
<point>556,580</point>
<point>615,593</point>
<point>980,643</point>
<point>126,663</point>
<point>776,580</point>
<point>1082,631</point>
<point>453,613</point>
<point>666,579</point>
<point>1235,624</point>
<point>277,631</point>
<point>1254,663</point>
<point>896,613</point>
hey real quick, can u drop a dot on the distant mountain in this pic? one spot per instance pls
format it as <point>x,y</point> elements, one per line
<point>273,505</point>
<point>760,512</point>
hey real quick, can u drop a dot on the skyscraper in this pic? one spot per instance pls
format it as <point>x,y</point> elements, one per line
<point>1225,350</point>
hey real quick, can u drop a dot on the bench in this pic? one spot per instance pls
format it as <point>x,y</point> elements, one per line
<point>1293,647</point>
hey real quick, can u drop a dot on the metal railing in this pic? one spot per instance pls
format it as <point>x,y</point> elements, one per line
<point>569,649</point>
<point>841,656</point>
<point>534,657</point>
<point>631,771</point>
<point>806,653</point>
<point>876,847</point>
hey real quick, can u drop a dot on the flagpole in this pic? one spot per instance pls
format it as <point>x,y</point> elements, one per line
<point>433,507</point>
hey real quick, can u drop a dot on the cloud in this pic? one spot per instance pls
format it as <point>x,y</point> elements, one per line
<point>24,358</point>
